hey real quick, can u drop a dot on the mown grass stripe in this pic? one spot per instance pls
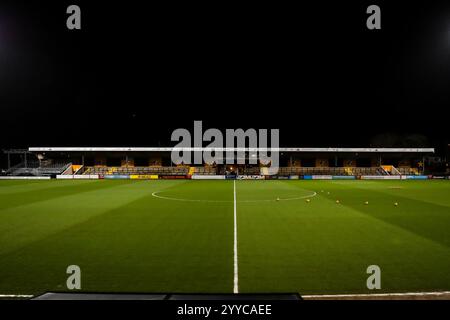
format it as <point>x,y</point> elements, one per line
<point>32,196</point>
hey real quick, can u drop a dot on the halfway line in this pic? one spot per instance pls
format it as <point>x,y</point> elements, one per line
<point>236,287</point>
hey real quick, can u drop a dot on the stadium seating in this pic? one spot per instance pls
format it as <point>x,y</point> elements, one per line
<point>408,171</point>
<point>205,171</point>
<point>337,171</point>
<point>177,171</point>
<point>368,171</point>
<point>283,171</point>
<point>250,171</point>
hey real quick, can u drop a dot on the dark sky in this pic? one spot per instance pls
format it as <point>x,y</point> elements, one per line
<point>134,73</point>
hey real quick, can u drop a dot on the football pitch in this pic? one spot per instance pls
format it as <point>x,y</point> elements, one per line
<point>188,236</point>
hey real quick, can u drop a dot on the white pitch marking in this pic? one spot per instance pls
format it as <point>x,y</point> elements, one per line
<point>236,277</point>
<point>368,295</point>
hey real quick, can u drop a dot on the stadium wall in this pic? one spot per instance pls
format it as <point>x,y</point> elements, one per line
<point>219,177</point>
<point>207,177</point>
<point>144,177</point>
<point>78,177</point>
<point>23,178</point>
<point>116,176</point>
<point>250,177</point>
<point>416,177</point>
<point>394,177</point>
<point>328,177</point>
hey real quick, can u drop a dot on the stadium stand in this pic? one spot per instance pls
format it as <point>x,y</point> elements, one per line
<point>154,161</point>
<point>49,169</point>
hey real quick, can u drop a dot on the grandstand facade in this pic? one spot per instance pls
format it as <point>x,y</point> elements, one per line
<point>155,163</point>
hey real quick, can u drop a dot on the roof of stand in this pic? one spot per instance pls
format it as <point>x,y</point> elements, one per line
<point>170,149</point>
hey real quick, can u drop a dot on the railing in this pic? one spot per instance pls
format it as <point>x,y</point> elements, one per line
<point>33,169</point>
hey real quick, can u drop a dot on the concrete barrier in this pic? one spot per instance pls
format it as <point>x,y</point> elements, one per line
<point>207,177</point>
<point>23,178</point>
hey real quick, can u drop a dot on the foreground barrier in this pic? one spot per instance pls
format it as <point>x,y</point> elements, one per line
<point>64,177</point>
<point>416,177</point>
<point>23,178</point>
<point>88,176</point>
<point>78,177</point>
<point>250,177</point>
<point>394,177</point>
<point>381,177</point>
<point>116,176</point>
<point>328,177</point>
<point>172,177</point>
<point>343,177</point>
<point>144,177</point>
<point>221,177</point>
<point>207,177</point>
<point>322,177</point>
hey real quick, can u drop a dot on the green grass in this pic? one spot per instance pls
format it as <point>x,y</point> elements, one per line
<point>126,240</point>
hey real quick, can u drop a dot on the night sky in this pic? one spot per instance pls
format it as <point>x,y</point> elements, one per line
<point>134,73</point>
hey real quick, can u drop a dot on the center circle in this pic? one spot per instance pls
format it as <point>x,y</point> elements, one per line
<point>240,199</point>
